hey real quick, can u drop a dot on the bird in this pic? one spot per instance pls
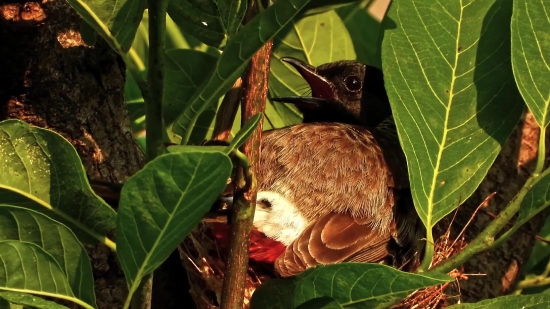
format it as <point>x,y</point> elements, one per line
<point>334,188</point>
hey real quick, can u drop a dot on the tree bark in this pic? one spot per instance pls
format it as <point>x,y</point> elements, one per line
<point>51,79</point>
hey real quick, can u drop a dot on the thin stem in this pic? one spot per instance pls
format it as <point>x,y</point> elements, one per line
<point>155,78</point>
<point>536,281</point>
<point>541,156</point>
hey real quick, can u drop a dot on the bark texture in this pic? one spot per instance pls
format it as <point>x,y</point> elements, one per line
<point>50,78</point>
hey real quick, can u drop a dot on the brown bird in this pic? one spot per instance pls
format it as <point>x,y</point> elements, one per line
<point>335,188</point>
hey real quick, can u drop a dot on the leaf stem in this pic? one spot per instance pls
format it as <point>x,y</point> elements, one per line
<point>536,281</point>
<point>242,215</point>
<point>428,252</point>
<point>541,155</point>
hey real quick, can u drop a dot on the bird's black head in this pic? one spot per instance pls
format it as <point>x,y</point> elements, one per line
<point>342,91</point>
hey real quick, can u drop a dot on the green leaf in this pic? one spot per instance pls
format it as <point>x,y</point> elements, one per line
<point>531,55</point>
<point>30,300</point>
<point>316,39</point>
<point>322,6</point>
<point>193,148</point>
<point>535,301</point>
<point>354,285</point>
<point>452,93</point>
<point>233,60</point>
<point>115,21</point>
<point>364,31</point>
<point>87,33</point>
<point>200,19</point>
<point>42,171</point>
<point>56,240</point>
<point>231,13</point>
<point>321,303</point>
<point>185,71</point>
<point>161,203</point>
<point>28,268</point>
<point>244,133</point>
<point>540,252</point>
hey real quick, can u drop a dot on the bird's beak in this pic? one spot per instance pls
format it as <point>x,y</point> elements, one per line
<point>321,88</point>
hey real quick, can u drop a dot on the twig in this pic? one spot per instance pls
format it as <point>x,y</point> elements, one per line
<point>254,100</point>
<point>227,112</point>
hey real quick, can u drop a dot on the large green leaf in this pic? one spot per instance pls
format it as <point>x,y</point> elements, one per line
<point>531,55</point>
<point>185,71</point>
<point>55,239</point>
<point>42,171</point>
<point>161,203</point>
<point>29,301</point>
<point>115,21</point>
<point>448,75</point>
<point>316,39</point>
<point>536,301</point>
<point>28,268</point>
<point>352,285</point>
<point>233,60</point>
<point>199,18</point>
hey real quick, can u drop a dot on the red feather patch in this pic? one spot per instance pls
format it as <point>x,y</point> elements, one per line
<point>262,248</point>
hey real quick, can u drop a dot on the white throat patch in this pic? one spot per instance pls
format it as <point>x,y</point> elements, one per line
<point>278,218</point>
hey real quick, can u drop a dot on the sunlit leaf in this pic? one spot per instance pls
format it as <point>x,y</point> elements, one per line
<point>42,171</point>
<point>161,203</point>
<point>244,133</point>
<point>452,93</point>
<point>115,21</point>
<point>531,55</point>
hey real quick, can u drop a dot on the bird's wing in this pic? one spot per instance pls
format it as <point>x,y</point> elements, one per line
<point>332,239</point>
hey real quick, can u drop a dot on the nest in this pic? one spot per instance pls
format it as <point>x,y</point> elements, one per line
<point>204,261</point>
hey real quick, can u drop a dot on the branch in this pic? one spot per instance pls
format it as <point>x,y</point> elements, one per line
<point>254,100</point>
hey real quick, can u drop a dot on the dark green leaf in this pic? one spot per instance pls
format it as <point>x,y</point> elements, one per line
<point>185,71</point>
<point>42,171</point>
<point>321,303</point>
<point>536,301</point>
<point>322,6</point>
<point>364,31</point>
<point>56,240</point>
<point>233,60</point>
<point>87,33</point>
<point>352,285</point>
<point>531,55</point>
<point>28,268</point>
<point>540,253</point>
<point>231,13</point>
<point>160,204</point>
<point>193,148</point>
<point>30,300</point>
<point>244,133</point>
<point>115,21</point>
<point>452,93</point>
<point>200,19</point>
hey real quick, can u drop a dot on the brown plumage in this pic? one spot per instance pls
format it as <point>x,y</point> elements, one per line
<point>337,191</point>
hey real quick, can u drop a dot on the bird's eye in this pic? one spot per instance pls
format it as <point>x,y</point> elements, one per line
<point>353,83</point>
